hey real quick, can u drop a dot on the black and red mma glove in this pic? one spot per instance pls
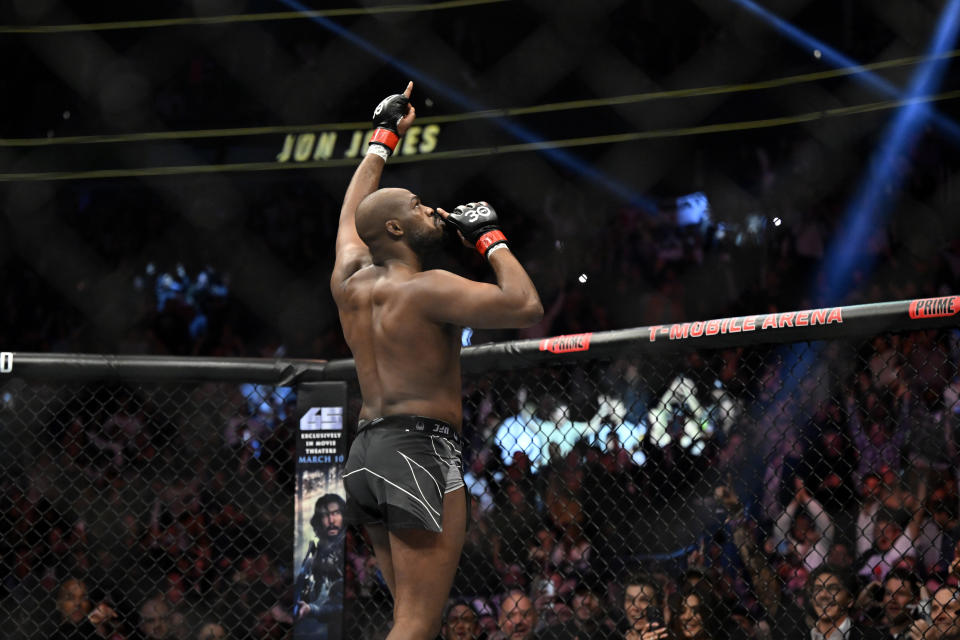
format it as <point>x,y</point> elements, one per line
<point>386,117</point>
<point>477,221</point>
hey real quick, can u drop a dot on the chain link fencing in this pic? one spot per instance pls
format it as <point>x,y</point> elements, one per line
<point>680,465</point>
<point>170,502</point>
<point>718,484</point>
<point>609,473</point>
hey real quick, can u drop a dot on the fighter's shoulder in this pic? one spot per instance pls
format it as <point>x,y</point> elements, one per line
<point>434,281</point>
<point>363,274</point>
<point>436,275</point>
<point>357,283</point>
<point>350,258</point>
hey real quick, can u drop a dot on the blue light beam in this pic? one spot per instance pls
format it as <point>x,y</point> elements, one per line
<point>876,194</point>
<point>561,157</point>
<point>869,207</point>
<point>836,59</point>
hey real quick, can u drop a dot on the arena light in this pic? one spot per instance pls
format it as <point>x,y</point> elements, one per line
<point>560,156</point>
<point>837,59</point>
<point>876,194</point>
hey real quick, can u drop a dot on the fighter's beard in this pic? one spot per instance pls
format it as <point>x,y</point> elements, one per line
<point>426,246</point>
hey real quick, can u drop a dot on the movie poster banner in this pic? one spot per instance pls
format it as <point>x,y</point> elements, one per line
<point>319,528</point>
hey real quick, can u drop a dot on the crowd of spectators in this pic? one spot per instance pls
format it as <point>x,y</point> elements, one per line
<point>150,513</point>
<point>838,478</point>
<point>141,517</point>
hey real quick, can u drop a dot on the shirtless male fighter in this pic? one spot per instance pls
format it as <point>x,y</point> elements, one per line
<point>404,476</point>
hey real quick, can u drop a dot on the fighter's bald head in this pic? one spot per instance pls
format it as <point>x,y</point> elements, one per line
<point>376,209</point>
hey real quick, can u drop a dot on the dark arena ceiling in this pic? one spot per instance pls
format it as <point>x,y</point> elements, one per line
<point>222,134</point>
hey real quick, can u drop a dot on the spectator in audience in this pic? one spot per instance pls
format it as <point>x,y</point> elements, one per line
<point>840,556</point>
<point>804,531</point>
<point>154,620</point>
<point>828,465</point>
<point>212,631</point>
<point>522,433</point>
<point>832,592</point>
<point>760,574</point>
<point>879,429</point>
<point>572,552</point>
<point>618,423</point>
<point>934,548</point>
<point>589,621</point>
<point>894,542</point>
<point>551,605</point>
<point>488,621</point>
<point>875,490</point>
<point>273,620</point>
<point>479,483</point>
<point>540,550</point>
<point>679,415</point>
<point>785,453</point>
<point>569,425</point>
<point>945,616</point>
<point>901,599</point>
<point>79,619</point>
<point>518,617</point>
<point>954,569</point>
<point>643,600</point>
<point>691,616</point>
<point>461,622</point>
<point>514,524</point>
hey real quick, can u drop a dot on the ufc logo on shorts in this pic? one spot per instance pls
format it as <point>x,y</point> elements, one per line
<point>6,362</point>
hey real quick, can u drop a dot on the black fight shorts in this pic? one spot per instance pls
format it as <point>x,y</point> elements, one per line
<point>398,471</point>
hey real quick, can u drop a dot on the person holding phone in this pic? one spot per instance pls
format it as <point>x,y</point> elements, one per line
<point>643,608</point>
<point>80,619</point>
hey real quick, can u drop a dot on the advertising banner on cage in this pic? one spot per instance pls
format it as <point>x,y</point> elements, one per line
<point>319,503</point>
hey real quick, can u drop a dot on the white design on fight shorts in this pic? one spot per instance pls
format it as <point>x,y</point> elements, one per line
<point>454,480</point>
<point>454,474</point>
<point>456,452</point>
<point>429,475</point>
<point>416,482</point>
<point>395,485</point>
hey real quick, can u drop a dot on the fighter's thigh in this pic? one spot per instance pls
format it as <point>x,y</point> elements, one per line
<point>380,540</point>
<point>424,563</point>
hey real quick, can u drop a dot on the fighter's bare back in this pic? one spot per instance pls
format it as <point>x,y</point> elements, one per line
<point>401,323</point>
<point>406,362</point>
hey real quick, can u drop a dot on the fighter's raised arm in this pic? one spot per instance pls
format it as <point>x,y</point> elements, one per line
<point>391,119</point>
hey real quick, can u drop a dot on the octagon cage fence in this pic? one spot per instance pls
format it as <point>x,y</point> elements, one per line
<point>723,460</point>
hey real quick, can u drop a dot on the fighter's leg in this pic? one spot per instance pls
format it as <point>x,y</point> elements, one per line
<point>424,564</point>
<point>381,549</point>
